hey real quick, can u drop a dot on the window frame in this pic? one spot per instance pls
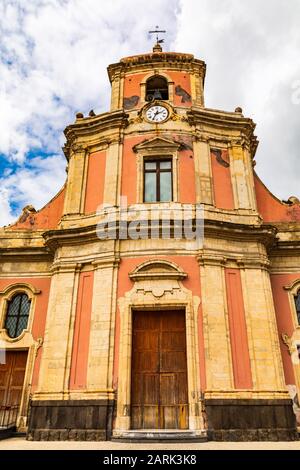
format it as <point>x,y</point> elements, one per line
<point>293,290</point>
<point>297,298</point>
<point>155,148</point>
<point>18,316</point>
<point>5,297</point>
<point>158,172</point>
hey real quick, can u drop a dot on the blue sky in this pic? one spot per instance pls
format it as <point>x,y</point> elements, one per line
<point>53,59</point>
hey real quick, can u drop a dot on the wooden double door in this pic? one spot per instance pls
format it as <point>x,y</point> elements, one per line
<point>159,391</point>
<point>12,375</point>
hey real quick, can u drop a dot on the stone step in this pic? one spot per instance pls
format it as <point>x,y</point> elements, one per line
<point>160,435</point>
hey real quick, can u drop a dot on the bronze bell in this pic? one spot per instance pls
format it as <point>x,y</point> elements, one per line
<point>157,95</point>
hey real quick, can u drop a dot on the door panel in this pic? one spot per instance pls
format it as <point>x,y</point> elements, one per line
<point>159,370</point>
<point>5,372</point>
<point>12,377</point>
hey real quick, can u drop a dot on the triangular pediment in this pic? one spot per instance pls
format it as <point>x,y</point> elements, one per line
<point>157,143</point>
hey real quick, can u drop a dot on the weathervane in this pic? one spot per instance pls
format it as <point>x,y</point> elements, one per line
<point>157,47</point>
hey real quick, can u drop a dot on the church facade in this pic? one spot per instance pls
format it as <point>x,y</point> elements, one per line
<point>115,327</point>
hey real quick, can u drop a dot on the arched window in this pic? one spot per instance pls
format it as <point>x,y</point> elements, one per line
<point>17,315</point>
<point>157,88</point>
<point>297,304</point>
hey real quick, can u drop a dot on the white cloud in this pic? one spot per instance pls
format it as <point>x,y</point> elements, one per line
<point>53,60</point>
<point>31,185</point>
<point>252,53</point>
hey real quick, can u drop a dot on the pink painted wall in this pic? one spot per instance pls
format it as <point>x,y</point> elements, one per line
<point>95,182</point>
<point>132,86</point>
<point>183,80</point>
<point>187,184</point>
<point>129,168</point>
<point>284,318</point>
<point>238,330</point>
<point>80,350</point>
<point>46,218</point>
<point>222,185</point>
<point>271,208</point>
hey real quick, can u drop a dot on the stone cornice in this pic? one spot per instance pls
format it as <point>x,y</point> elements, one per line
<point>244,262</point>
<point>159,60</point>
<point>65,267</point>
<point>92,126</point>
<point>265,234</point>
<point>214,229</point>
<point>204,117</point>
<point>24,253</point>
<point>286,248</point>
<point>70,236</point>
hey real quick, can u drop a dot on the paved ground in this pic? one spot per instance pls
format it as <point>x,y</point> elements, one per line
<point>21,444</point>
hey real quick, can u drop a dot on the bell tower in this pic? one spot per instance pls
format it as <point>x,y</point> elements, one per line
<point>173,77</point>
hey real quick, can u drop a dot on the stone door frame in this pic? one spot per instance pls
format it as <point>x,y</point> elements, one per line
<point>157,286</point>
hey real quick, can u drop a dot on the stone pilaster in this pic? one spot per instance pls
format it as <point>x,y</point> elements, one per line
<point>101,347</point>
<point>76,177</point>
<point>203,176</point>
<point>197,89</point>
<point>218,362</point>
<point>117,87</point>
<point>57,347</point>
<point>113,173</point>
<point>242,183</point>
<point>267,372</point>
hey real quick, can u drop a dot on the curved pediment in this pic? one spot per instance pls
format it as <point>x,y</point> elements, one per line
<point>157,269</point>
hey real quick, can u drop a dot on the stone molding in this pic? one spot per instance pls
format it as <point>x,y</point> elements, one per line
<point>160,293</point>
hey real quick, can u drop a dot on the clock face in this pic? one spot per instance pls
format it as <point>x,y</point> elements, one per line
<point>157,113</point>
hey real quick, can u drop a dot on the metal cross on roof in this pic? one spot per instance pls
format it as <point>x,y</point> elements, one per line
<point>158,31</point>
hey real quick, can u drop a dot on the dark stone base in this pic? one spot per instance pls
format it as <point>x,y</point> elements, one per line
<point>250,420</point>
<point>6,433</point>
<point>227,420</point>
<point>74,420</point>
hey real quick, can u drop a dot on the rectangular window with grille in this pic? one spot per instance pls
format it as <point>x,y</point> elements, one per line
<point>158,185</point>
